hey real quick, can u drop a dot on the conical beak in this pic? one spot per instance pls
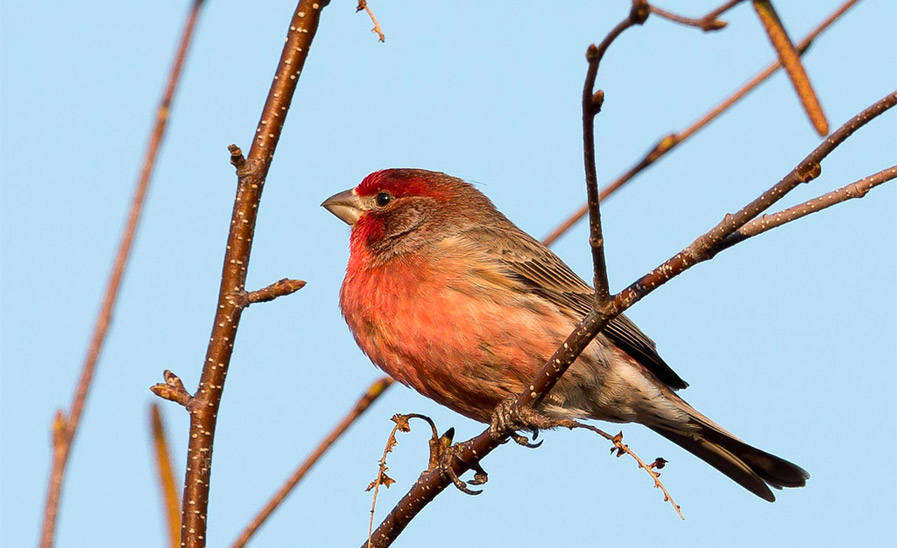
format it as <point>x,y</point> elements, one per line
<point>345,205</point>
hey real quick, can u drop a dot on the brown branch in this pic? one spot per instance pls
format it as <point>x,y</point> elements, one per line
<point>167,488</point>
<point>707,246</point>
<point>669,142</point>
<point>790,59</point>
<point>469,453</point>
<point>591,106</point>
<point>65,425</point>
<point>854,190</point>
<point>722,9</point>
<point>232,297</point>
<point>369,397</point>
<point>363,5</point>
<point>280,288</point>
<point>708,23</point>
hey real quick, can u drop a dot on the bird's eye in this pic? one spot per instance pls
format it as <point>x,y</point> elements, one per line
<point>383,199</point>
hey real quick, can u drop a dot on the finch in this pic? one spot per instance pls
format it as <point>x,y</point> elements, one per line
<point>449,297</point>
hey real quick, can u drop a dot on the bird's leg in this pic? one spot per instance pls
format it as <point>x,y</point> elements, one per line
<point>507,419</point>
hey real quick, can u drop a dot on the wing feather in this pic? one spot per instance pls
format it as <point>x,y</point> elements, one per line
<point>538,268</point>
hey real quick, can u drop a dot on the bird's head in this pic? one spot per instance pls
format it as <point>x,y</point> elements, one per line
<point>395,211</point>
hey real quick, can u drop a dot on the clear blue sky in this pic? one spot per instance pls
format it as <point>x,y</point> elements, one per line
<point>787,340</point>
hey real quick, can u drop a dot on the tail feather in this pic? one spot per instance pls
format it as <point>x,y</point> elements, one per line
<point>753,469</point>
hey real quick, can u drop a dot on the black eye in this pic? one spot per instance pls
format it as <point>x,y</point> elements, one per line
<point>383,199</point>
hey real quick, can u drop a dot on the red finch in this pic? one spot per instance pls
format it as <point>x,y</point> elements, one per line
<point>449,297</point>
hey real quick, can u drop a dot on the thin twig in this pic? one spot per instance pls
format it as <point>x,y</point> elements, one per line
<point>65,425</point>
<point>232,297</point>
<point>280,288</point>
<point>707,24</point>
<point>790,59</point>
<point>403,424</point>
<point>854,190</point>
<point>722,9</point>
<point>671,141</point>
<point>591,105</point>
<point>369,397</point>
<point>363,5</point>
<point>469,453</point>
<point>620,449</point>
<point>167,488</point>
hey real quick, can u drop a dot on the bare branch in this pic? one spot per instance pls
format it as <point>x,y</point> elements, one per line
<point>363,5</point>
<point>367,399</point>
<point>167,488</point>
<point>469,453</point>
<point>708,23</point>
<point>232,297</point>
<point>856,189</point>
<point>591,105</point>
<point>279,288</point>
<point>669,142</point>
<point>722,9</point>
<point>790,59</point>
<point>66,424</point>
<point>711,243</point>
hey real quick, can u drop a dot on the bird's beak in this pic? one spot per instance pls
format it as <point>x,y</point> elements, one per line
<point>346,205</point>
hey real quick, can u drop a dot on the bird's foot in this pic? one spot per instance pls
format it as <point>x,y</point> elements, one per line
<point>508,419</point>
<point>447,456</point>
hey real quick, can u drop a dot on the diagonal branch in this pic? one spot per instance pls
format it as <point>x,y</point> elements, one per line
<point>471,452</point>
<point>167,488</point>
<point>854,190</point>
<point>790,59</point>
<point>66,424</point>
<point>671,141</point>
<point>367,399</point>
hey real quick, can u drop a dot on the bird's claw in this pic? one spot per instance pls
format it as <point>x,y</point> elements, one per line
<point>508,419</point>
<point>449,454</point>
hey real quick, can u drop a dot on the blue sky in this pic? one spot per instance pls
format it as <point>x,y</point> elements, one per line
<point>787,340</point>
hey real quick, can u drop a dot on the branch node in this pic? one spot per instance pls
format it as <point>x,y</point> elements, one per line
<point>809,171</point>
<point>592,53</point>
<point>238,161</point>
<point>597,101</point>
<point>60,429</point>
<point>172,390</point>
<point>639,12</point>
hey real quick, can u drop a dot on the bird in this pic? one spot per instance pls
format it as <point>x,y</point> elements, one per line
<point>449,297</point>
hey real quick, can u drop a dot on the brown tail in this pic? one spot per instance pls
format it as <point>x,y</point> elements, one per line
<point>753,469</point>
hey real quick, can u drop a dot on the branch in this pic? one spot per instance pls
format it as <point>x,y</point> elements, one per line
<point>167,488</point>
<point>711,243</point>
<point>471,452</point>
<point>669,142</point>
<point>232,297</point>
<point>367,399</point>
<point>363,5</point>
<point>790,58</point>
<point>854,190</point>
<point>708,23</point>
<point>591,105</point>
<point>65,426</point>
<point>280,288</point>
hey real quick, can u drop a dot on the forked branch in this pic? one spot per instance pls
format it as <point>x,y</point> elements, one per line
<point>232,296</point>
